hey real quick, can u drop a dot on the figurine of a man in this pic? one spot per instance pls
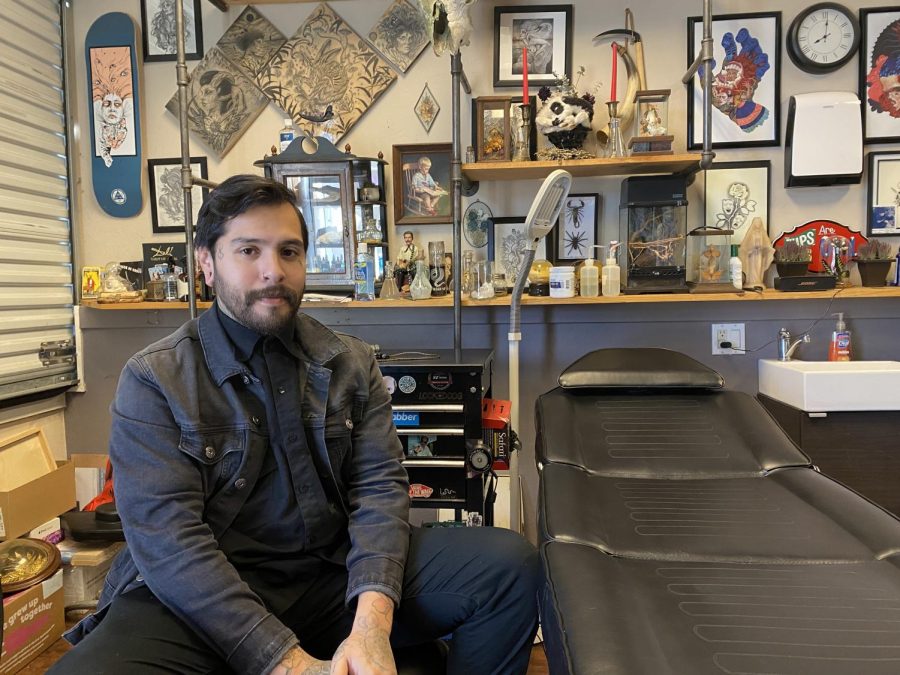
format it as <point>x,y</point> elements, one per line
<point>406,261</point>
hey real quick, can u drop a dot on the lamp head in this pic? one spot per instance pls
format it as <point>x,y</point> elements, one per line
<point>546,206</point>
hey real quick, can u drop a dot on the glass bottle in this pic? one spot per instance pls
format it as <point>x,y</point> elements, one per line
<point>364,274</point>
<point>420,288</point>
<point>467,283</point>
<point>389,290</point>
<point>437,268</point>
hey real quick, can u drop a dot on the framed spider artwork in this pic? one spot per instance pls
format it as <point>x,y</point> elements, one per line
<point>577,231</point>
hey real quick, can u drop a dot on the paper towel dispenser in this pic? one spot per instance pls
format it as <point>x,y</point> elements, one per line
<point>824,143</point>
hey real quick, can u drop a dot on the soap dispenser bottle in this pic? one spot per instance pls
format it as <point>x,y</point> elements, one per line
<point>590,278</point>
<point>611,275</point>
<point>839,348</point>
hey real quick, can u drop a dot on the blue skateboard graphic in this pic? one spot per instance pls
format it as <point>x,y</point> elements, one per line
<point>115,141</point>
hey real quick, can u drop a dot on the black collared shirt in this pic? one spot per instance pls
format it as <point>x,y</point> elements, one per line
<point>284,534</point>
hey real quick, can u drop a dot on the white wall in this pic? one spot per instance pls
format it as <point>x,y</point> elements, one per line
<point>102,239</point>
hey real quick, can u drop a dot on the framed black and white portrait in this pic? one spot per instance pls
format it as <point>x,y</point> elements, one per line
<point>167,195</point>
<point>158,28</point>
<point>546,31</point>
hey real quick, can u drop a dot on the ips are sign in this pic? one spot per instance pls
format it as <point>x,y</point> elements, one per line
<point>811,234</point>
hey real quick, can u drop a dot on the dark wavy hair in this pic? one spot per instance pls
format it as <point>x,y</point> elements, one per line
<point>235,196</point>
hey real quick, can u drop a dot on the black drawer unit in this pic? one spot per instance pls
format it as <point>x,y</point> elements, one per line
<point>436,400</point>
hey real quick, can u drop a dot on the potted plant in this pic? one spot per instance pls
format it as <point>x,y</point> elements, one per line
<point>873,259</point>
<point>792,259</point>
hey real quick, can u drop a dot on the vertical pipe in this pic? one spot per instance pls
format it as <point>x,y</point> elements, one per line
<point>187,181</point>
<point>456,177</point>
<point>706,50</point>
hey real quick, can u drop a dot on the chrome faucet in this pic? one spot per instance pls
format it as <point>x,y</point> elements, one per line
<point>785,347</point>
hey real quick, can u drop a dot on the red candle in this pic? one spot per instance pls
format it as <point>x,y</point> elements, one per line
<point>615,63</point>
<point>525,75</point>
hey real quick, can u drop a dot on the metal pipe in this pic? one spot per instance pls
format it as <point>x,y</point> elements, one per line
<point>187,180</point>
<point>456,76</point>
<point>706,50</point>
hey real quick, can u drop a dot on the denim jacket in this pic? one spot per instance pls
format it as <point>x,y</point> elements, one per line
<point>179,444</point>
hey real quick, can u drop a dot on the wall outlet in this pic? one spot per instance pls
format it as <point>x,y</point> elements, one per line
<point>728,333</point>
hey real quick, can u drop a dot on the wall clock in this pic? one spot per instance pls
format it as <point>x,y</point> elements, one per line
<point>823,37</point>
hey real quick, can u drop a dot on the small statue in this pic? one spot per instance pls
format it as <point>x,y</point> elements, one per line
<point>651,124</point>
<point>406,260</point>
<point>709,264</point>
<point>756,253</point>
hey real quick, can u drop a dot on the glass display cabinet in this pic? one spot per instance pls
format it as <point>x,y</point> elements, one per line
<point>709,249</point>
<point>341,197</point>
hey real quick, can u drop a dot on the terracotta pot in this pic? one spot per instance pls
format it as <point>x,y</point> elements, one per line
<point>792,268</point>
<point>873,273</point>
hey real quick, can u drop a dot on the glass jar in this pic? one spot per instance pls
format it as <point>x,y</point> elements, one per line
<point>482,286</point>
<point>498,281</point>
<point>467,283</point>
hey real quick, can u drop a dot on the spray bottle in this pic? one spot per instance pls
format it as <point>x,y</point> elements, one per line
<point>839,348</point>
<point>611,275</point>
<point>590,277</point>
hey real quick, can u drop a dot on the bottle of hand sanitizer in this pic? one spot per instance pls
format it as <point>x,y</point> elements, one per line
<point>611,276</point>
<point>839,349</point>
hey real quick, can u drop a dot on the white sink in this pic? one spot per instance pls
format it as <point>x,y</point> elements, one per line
<point>822,386</point>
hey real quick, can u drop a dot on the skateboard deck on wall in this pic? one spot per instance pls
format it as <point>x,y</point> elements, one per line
<point>114,110</point>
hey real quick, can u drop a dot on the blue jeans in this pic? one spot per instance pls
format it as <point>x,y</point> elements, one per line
<point>478,585</point>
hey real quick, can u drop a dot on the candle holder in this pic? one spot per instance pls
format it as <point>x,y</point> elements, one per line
<point>615,147</point>
<point>522,140</point>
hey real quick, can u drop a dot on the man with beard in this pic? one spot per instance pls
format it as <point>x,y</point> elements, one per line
<point>259,480</point>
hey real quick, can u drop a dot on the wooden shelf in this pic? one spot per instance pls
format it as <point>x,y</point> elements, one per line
<point>766,296</point>
<point>679,163</point>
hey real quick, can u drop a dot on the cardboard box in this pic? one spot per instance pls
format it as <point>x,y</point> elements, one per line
<point>495,422</point>
<point>26,507</point>
<point>32,621</point>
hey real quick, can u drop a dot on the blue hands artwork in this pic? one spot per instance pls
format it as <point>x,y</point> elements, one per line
<point>735,84</point>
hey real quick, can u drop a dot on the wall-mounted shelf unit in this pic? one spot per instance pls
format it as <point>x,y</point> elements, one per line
<point>579,168</point>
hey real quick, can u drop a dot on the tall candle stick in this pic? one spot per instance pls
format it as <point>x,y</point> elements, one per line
<point>615,64</point>
<point>524,74</point>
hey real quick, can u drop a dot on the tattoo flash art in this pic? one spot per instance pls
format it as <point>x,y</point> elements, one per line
<point>113,102</point>
<point>400,34</point>
<point>251,42</point>
<point>737,80</point>
<point>736,207</point>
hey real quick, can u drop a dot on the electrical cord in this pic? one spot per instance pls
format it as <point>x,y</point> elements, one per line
<point>405,356</point>
<point>827,312</point>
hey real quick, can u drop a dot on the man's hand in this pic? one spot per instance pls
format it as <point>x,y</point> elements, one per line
<point>298,662</point>
<point>367,650</point>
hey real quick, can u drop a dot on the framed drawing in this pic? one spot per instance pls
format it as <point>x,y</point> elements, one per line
<point>492,130</point>
<point>158,28</point>
<point>506,247</point>
<point>427,108</point>
<point>250,42</point>
<point>546,31</point>
<point>167,195</point>
<point>421,174</point>
<point>878,66</point>
<point>884,195</point>
<point>400,34</point>
<point>577,231</point>
<point>746,85</point>
<point>735,193</point>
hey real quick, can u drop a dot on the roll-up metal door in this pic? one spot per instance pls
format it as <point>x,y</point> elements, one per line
<point>37,350</point>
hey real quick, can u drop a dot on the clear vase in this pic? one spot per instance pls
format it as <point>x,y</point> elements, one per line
<point>420,288</point>
<point>389,290</point>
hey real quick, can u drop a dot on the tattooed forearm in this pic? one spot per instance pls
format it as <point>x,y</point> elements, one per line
<point>298,662</point>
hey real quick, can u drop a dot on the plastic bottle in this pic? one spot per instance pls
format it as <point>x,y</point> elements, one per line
<point>562,282</point>
<point>839,348</point>
<point>896,281</point>
<point>589,277</point>
<point>286,135</point>
<point>736,269</point>
<point>364,274</point>
<point>611,274</point>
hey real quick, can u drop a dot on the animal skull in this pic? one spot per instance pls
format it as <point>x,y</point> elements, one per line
<point>449,25</point>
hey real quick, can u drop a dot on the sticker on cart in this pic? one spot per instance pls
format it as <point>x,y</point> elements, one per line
<point>420,446</point>
<point>406,419</point>
<point>407,384</point>
<point>439,381</point>
<point>419,491</point>
<point>389,383</point>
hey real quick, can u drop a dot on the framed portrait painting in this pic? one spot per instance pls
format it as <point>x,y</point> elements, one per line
<point>167,195</point>
<point>878,67</point>
<point>734,194</point>
<point>158,28</point>
<point>421,173</point>
<point>746,81</point>
<point>577,231</point>
<point>506,247</point>
<point>546,32</point>
<point>884,195</point>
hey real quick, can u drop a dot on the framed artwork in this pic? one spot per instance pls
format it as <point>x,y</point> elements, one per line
<point>878,66</point>
<point>884,195</point>
<point>112,102</point>
<point>492,130</point>
<point>427,108</point>
<point>158,28</point>
<point>746,82</point>
<point>506,247</point>
<point>546,31</point>
<point>400,34</point>
<point>251,42</point>
<point>735,193</point>
<point>476,222</point>
<point>421,174</point>
<point>577,231</point>
<point>326,63</point>
<point>167,195</point>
